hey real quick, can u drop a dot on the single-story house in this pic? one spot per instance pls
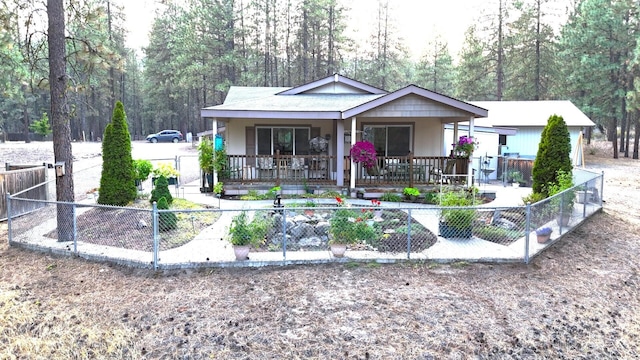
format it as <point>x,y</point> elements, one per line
<point>302,135</point>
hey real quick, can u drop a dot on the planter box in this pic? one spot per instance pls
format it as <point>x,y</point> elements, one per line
<point>447,231</point>
<point>171,180</point>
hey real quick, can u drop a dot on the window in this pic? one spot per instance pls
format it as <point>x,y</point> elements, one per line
<point>289,140</point>
<point>502,139</point>
<point>392,140</point>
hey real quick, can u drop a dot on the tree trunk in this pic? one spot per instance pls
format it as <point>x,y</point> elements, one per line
<point>60,118</point>
<point>636,138</point>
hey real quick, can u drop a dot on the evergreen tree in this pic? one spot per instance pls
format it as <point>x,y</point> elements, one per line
<point>435,71</point>
<point>117,183</point>
<point>474,80</point>
<point>161,190</point>
<point>553,155</point>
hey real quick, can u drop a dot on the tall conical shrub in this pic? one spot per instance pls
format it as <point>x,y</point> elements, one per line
<point>117,183</point>
<point>161,190</point>
<point>554,153</point>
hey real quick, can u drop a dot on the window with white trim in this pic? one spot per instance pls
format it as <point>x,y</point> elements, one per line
<point>389,140</point>
<point>289,140</point>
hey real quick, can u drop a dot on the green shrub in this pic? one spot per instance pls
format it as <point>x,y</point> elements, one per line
<point>242,232</point>
<point>564,182</point>
<point>457,218</point>
<point>166,220</point>
<point>346,227</point>
<point>141,169</point>
<point>161,190</point>
<point>553,155</point>
<point>497,234</point>
<point>431,197</point>
<point>533,198</point>
<point>389,196</point>
<point>205,155</point>
<point>218,188</point>
<point>409,191</point>
<point>42,126</point>
<point>117,183</point>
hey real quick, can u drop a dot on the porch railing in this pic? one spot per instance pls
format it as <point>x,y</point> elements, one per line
<point>322,169</point>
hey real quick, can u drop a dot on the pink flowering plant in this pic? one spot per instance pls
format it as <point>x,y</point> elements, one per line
<point>464,147</point>
<point>365,153</point>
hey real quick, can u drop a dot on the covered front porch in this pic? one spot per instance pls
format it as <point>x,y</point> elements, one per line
<point>313,170</point>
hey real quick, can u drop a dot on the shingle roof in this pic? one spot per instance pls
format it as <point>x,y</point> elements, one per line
<point>265,99</point>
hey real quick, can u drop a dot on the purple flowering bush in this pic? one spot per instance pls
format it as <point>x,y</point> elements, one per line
<point>365,153</point>
<point>464,147</point>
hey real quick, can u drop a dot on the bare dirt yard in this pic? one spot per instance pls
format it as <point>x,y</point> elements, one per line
<point>579,300</point>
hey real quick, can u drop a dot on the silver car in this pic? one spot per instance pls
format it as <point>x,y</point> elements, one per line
<point>165,136</point>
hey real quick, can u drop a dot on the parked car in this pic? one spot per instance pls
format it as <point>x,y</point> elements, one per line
<point>166,136</point>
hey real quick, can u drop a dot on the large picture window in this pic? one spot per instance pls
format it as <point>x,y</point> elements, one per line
<point>289,140</point>
<point>389,140</point>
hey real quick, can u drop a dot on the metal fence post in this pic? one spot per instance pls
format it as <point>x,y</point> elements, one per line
<point>75,230</point>
<point>561,211</point>
<point>584,203</point>
<point>154,218</point>
<point>601,188</point>
<point>9,236</point>
<point>284,234</point>
<point>527,229</point>
<point>409,234</point>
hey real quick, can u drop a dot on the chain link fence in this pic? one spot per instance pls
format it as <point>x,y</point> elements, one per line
<point>302,231</point>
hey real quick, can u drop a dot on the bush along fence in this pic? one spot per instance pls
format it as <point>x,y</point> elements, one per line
<point>299,231</point>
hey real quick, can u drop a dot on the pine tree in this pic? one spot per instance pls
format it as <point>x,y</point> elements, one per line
<point>117,183</point>
<point>553,155</point>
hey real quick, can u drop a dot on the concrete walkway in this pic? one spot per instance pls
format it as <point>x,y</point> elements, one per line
<point>210,245</point>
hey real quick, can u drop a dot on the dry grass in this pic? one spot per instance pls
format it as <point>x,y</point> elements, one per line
<point>580,299</point>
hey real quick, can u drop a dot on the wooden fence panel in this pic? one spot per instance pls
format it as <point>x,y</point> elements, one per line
<point>15,181</point>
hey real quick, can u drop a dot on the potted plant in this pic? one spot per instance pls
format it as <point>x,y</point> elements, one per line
<point>411,193</point>
<point>363,152</point>
<point>244,234</point>
<point>464,147</point>
<point>141,169</point>
<point>516,178</point>
<point>543,234</point>
<point>563,196</point>
<point>347,227</point>
<point>205,160</point>
<point>168,171</point>
<point>456,222</point>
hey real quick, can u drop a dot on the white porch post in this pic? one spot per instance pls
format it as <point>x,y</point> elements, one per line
<point>340,152</point>
<point>213,143</point>
<point>455,134</point>
<point>352,178</point>
<point>470,165</point>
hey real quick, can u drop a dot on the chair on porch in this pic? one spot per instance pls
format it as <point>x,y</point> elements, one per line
<point>265,166</point>
<point>297,168</point>
<point>438,174</point>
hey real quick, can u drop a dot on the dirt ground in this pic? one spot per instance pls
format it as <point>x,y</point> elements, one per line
<point>579,300</point>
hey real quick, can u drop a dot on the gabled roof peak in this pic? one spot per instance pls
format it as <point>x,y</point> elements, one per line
<point>337,84</point>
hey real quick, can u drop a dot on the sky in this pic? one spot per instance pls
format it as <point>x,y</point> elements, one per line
<point>417,21</point>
